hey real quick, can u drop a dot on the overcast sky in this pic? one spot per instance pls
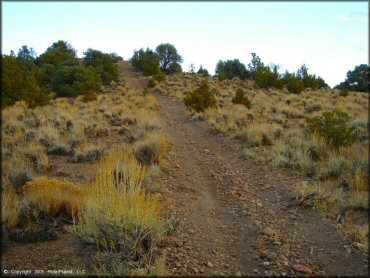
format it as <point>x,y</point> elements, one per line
<point>330,38</point>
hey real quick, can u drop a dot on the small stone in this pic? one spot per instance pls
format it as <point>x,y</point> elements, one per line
<point>178,264</point>
<point>255,270</point>
<point>191,231</point>
<point>233,193</point>
<point>266,263</point>
<point>238,274</point>
<point>263,254</point>
<point>195,270</point>
<point>201,270</point>
<point>178,243</point>
<point>209,264</point>
<point>271,256</point>
<point>268,231</point>
<point>302,269</point>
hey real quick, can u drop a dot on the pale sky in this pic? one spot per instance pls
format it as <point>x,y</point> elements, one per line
<point>329,37</point>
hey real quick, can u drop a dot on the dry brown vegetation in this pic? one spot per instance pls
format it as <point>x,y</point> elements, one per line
<point>118,135</point>
<point>274,131</point>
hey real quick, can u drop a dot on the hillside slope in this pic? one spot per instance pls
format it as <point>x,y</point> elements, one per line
<point>235,217</point>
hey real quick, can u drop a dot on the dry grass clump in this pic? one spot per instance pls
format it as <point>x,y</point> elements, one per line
<point>10,207</point>
<point>97,129</point>
<point>149,150</point>
<point>87,152</point>
<point>260,134</point>
<point>37,155</point>
<point>123,220</point>
<point>18,172</point>
<point>54,196</point>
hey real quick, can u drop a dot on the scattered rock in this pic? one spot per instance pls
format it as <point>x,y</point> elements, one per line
<point>302,269</point>
<point>238,274</point>
<point>268,231</point>
<point>178,264</point>
<point>263,254</point>
<point>195,270</point>
<point>233,193</point>
<point>178,243</point>
<point>271,256</point>
<point>209,264</point>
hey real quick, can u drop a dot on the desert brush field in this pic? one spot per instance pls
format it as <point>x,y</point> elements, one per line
<point>136,168</point>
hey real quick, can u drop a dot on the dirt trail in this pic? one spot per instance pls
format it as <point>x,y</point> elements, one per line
<point>233,212</point>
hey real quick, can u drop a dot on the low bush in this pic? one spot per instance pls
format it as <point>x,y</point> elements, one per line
<point>20,173</point>
<point>151,83</point>
<point>10,207</point>
<point>295,85</point>
<point>332,126</point>
<point>70,81</point>
<point>89,97</point>
<point>343,92</point>
<point>37,155</point>
<point>145,92</point>
<point>201,98</point>
<point>148,152</point>
<point>160,77</point>
<point>54,196</point>
<point>87,153</point>
<point>359,128</point>
<point>119,217</point>
<point>240,98</point>
<point>335,166</point>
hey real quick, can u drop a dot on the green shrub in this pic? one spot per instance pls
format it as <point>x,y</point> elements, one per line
<point>160,77</point>
<point>278,84</point>
<point>57,53</point>
<point>343,92</point>
<point>146,61</point>
<point>359,128</point>
<point>19,83</point>
<point>151,83</point>
<point>103,64</point>
<point>203,71</point>
<point>240,98</point>
<point>264,77</point>
<point>335,167</point>
<point>295,85</point>
<point>145,92</point>
<point>201,98</point>
<point>230,69</point>
<point>71,81</point>
<point>332,126</point>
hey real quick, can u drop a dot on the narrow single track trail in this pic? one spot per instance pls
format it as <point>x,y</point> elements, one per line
<point>234,214</point>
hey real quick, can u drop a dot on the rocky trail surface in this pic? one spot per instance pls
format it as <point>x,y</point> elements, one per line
<point>234,214</point>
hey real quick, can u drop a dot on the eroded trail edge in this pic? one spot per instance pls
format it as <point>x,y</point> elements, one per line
<point>233,212</point>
